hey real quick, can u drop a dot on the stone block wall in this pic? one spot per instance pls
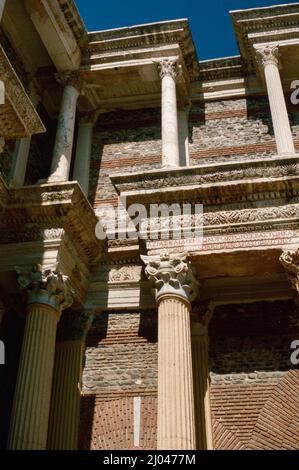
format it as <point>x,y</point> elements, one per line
<point>121,365</point>
<point>254,386</point>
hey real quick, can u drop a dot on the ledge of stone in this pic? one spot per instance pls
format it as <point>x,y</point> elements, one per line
<point>18,116</point>
<point>213,183</point>
<point>32,210</point>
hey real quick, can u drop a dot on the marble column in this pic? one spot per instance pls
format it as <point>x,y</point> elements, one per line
<point>268,56</point>
<point>175,288</point>
<point>83,150</point>
<point>48,294</point>
<point>168,69</point>
<point>183,125</point>
<point>200,360</point>
<point>63,146</point>
<point>65,403</point>
<point>21,153</point>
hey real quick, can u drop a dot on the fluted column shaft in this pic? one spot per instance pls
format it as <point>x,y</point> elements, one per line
<point>65,404</point>
<point>29,419</point>
<point>176,424</point>
<point>170,137</point>
<point>268,57</point>
<point>204,435</point>
<point>63,146</point>
<point>48,293</point>
<point>176,286</point>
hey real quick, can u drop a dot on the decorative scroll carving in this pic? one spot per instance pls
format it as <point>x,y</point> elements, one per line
<point>168,67</point>
<point>268,54</point>
<point>171,274</point>
<point>125,273</point>
<point>290,262</point>
<point>46,286</point>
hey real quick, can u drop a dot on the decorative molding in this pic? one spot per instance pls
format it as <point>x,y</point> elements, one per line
<point>171,274</point>
<point>46,285</point>
<point>18,117</point>
<point>260,179</point>
<point>47,205</point>
<point>126,273</point>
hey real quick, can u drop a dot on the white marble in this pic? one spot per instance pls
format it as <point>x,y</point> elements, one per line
<point>268,56</point>
<point>170,138</point>
<point>62,153</point>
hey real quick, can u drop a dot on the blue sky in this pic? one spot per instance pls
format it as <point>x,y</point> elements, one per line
<point>209,19</point>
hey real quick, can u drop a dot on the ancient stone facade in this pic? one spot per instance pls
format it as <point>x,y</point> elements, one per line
<point>180,332</point>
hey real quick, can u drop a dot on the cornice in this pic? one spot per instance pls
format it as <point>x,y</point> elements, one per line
<point>74,21</point>
<point>221,69</point>
<point>260,179</point>
<point>18,117</point>
<point>147,35</point>
<point>264,25</point>
<point>52,208</point>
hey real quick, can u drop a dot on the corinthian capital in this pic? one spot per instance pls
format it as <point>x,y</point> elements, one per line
<point>290,262</point>
<point>268,54</point>
<point>71,78</point>
<point>171,274</point>
<point>168,67</point>
<point>46,286</point>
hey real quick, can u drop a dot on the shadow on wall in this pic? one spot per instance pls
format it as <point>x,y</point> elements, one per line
<point>11,333</point>
<point>253,337</point>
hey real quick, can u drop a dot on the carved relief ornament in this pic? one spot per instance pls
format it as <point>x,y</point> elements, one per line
<point>171,274</point>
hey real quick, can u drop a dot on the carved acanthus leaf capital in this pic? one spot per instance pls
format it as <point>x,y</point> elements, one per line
<point>46,286</point>
<point>168,67</point>
<point>268,54</point>
<point>290,262</point>
<point>171,274</point>
<point>72,78</point>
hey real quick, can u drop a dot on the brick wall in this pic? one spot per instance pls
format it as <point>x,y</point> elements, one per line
<point>127,141</point>
<point>123,141</point>
<point>234,128</point>
<point>253,384</point>
<point>120,364</point>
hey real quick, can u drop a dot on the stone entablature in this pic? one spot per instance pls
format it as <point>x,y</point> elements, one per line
<point>51,224</point>
<point>18,117</point>
<point>261,179</point>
